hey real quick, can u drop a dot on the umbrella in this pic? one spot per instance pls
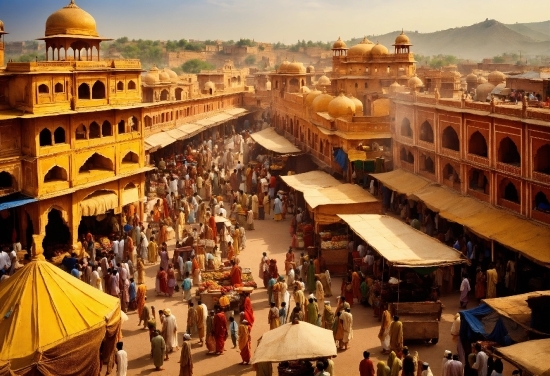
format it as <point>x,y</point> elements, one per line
<point>294,342</point>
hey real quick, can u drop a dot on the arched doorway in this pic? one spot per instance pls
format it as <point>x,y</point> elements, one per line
<point>58,235</point>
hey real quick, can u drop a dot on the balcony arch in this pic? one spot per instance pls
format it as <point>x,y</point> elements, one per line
<point>450,173</point>
<point>164,95</point>
<point>59,135</point>
<point>80,133</point>
<point>58,88</point>
<point>130,158</point>
<point>477,181</point>
<point>509,191</point>
<point>477,144</point>
<point>96,162</point>
<point>541,202</point>
<point>542,159</point>
<point>43,89</point>
<point>426,132</point>
<point>508,152</point>
<point>131,85</point>
<point>450,139</point>
<point>98,90</point>
<point>95,131</point>
<point>45,137</point>
<point>406,130</point>
<point>84,91</point>
<point>7,181</point>
<point>106,129</point>
<point>56,173</point>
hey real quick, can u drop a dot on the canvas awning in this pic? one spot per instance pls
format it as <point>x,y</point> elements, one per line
<point>362,135</point>
<point>129,196</point>
<point>51,320</point>
<point>341,194</point>
<point>528,356</point>
<point>400,244</point>
<point>523,235</point>
<point>190,129</point>
<point>310,180</point>
<point>98,203</point>
<point>176,134</point>
<point>161,139</point>
<point>271,140</point>
<point>14,200</point>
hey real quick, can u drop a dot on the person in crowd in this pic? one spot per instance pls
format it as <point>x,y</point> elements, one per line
<point>121,360</point>
<point>158,350</point>
<point>396,335</point>
<point>366,367</point>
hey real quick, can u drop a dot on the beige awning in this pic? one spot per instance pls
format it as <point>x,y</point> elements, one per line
<point>161,139</point>
<point>271,140</point>
<point>310,180</point>
<point>129,196</point>
<point>362,135</point>
<point>516,309</point>
<point>190,129</point>
<point>338,195</point>
<point>176,134</point>
<point>400,244</point>
<point>523,235</point>
<point>98,203</point>
<point>528,356</point>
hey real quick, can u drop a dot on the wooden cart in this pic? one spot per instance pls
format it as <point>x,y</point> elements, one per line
<point>420,320</point>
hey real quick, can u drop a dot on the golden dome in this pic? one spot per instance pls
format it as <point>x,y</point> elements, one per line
<point>341,106</point>
<point>481,80</point>
<point>152,77</point>
<point>164,76</point>
<point>320,103</point>
<point>71,20</point>
<point>339,45</point>
<point>310,69</point>
<point>283,67</point>
<point>323,81</point>
<point>483,90</point>
<point>361,49</point>
<point>358,104</point>
<point>402,40</point>
<point>295,68</point>
<point>496,77</point>
<point>173,75</point>
<point>472,78</point>
<point>379,49</point>
<point>415,82</point>
<point>311,96</point>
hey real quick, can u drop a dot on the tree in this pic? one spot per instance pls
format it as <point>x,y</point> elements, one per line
<point>246,42</point>
<point>250,60</point>
<point>196,65</point>
<point>498,59</point>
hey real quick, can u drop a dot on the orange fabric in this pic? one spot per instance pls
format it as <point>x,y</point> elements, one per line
<point>356,283</point>
<point>220,331</point>
<point>248,312</point>
<point>140,298</point>
<point>236,276</point>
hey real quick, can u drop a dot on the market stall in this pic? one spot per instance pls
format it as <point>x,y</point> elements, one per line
<point>528,356</point>
<point>293,346</point>
<point>215,282</point>
<point>275,148</point>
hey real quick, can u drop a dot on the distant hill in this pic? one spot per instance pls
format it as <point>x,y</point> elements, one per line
<point>482,40</point>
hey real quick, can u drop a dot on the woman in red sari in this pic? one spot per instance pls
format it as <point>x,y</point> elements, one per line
<point>235,274</point>
<point>248,311</point>
<point>220,330</point>
<point>162,280</point>
<point>212,225</point>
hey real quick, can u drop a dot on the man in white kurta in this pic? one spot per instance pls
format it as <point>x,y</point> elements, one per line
<point>169,331</point>
<point>121,360</point>
<point>347,323</point>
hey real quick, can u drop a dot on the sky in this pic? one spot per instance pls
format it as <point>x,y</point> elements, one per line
<point>268,20</point>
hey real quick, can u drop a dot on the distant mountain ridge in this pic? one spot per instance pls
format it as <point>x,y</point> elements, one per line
<point>482,40</point>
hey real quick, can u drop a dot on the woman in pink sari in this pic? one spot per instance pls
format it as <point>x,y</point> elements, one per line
<point>161,282</point>
<point>171,280</point>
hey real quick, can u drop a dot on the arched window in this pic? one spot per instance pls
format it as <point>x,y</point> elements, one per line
<point>450,139</point>
<point>148,121</point>
<point>95,131</point>
<point>106,129</point>
<point>508,152</point>
<point>510,192</point>
<point>477,144</point>
<point>43,89</point>
<point>98,90</point>
<point>542,159</point>
<point>130,157</point>
<point>81,132</point>
<point>84,91</point>
<point>179,95</point>
<point>120,86</point>
<point>96,162</point>
<point>410,157</point>
<point>426,132</point>
<point>429,165</point>
<point>133,123</point>
<point>131,85</point>
<point>541,202</point>
<point>164,95</point>
<point>121,127</point>
<point>450,173</point>
<point>6,180</point>
<point>45,137</point>
<point>478,181</point>
<point>56,173</point>
<point>59,135</point>
<point>406,130</point>
<point>59,87</point>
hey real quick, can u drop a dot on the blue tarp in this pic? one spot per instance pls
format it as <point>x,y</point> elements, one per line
<point>471,324</point>
<point>14,200</point>
<point>341,158</point>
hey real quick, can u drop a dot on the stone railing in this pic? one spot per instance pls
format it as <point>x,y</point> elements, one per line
<point>450,103</point>
<point>478,159</point>
<point>543,178</point>
<point>508,168</point>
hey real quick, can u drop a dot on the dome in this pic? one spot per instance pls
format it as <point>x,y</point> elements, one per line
<point>415,82</point>
<point>496,77</point>
<point>71,20</point>
<point>361,49</point>
<point>173,75</point>
<point>402,40</point>
<point>483,90</point>
<point>395,87</point>
<point>481,80</point>
<point>358,104</point>
<point>152,77</point>
<point>284,66</point>
<point>323,81</point>
<point>295,68</point>
<point>164,76</point>
<point>471,78</point>
<point>310,69</point>
<point>339,44</point>
<point>341,106</point>
<point>305,90</point>
<point>209,85</point>
<point>320,103</point>
<point>379,49</point>
<point>311,96</point>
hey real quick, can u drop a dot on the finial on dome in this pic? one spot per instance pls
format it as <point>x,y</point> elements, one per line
<point>402,31</point>
<point>72,5</point>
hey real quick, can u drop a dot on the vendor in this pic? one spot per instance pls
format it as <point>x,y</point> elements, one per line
<point>224,301</point>
<point>235,274</point>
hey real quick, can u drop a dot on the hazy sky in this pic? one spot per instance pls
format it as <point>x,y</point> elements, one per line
<point>270,21</point>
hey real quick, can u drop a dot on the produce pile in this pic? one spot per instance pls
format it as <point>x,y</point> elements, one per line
<point>223,279</point>
<point>330,241</point>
